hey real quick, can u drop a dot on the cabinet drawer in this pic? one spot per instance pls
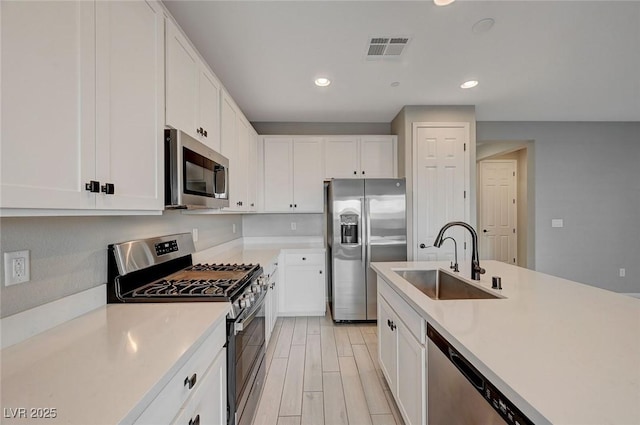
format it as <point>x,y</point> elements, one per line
<point>414,322</point>
<point>173,395</point>
<point>304,259</point>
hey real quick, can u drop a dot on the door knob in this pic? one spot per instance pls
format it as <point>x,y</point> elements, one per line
<point>484,230</point>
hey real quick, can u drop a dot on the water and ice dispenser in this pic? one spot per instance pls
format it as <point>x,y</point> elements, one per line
<point>349,228</point>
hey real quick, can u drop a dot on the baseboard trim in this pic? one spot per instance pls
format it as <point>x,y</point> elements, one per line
<point>31,322</point>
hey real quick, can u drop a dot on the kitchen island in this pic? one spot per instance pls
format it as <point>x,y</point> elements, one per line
<point>563,352</point>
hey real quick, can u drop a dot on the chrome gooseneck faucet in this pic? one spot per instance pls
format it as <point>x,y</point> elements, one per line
<point>476,270</point>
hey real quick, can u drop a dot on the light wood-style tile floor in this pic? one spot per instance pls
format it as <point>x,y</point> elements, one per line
<point>320,373</point>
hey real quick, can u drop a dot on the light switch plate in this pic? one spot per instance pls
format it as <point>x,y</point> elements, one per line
<point>557,222</point>
<point>16,267</point>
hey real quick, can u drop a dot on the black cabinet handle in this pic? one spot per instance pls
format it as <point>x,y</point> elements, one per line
<point>362,172</point>
<point>393,326</point>
<point>190,381</point>
<point>252,204</point>
<point>422,246</point>
<point>93,186</point>
<point>304,258</point>
<point>195,421</point>
<point>290,205</point>
<point>205,133</point>
<point>388,323</point>
<point>295,205</point>
<point>355,172</point>
<point>108,189</point>
<point>320,271</point>
<point>484,230</point>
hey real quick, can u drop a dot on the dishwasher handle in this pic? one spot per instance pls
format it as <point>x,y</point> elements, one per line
<point>467,370</point>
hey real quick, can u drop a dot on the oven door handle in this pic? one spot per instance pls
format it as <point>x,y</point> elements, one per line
<point>243,324</point>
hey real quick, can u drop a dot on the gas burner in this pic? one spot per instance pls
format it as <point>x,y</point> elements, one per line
<point>222,267</point>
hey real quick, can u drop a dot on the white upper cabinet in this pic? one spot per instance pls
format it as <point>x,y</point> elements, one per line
<point>378,156</point>
<point>293,174</point>
<point>82,99</point>
<point>48,104</point>
<point>209,109</point>
<point>308,188</point>
<point>236,145</point>
<point>341,157</point>
<point>278,174</point>
<point>129,119</point>
<point>193,92</point>
<point>360,156</point>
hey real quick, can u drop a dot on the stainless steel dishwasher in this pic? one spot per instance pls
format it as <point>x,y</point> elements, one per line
<point>459,394</point>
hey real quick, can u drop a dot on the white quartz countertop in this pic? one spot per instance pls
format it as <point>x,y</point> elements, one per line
<point>104,367</point>
<point>564,352</point>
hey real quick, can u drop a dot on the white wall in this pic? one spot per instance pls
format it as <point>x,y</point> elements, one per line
<point>69,254</point>
<point>262,225</point>
<point>588,174</point>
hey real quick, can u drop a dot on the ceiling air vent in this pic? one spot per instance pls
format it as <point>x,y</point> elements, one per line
<point>386,47</point>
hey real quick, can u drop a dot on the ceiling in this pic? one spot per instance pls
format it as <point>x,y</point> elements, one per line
<point>541,60</point>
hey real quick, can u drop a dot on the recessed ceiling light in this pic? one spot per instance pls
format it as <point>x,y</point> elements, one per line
<point>322,82</point>
<point>469,84</point>
<point>395,84</point>
<point>443,2</point>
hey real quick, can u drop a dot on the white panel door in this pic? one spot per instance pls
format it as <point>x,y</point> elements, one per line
<point>341,157</point>
<point>308,186</point>
<point>441,174</point>
<point>377,156</point>
<point>278,174</point>
<point>48,104</point>
<point>129,104</point>
<point>228,132</point>
<point>209,109</point>
<point>498,210</point>
<point>182,69</point>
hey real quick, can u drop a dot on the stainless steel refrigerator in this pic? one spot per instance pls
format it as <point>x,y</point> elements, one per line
<point>366,222</point>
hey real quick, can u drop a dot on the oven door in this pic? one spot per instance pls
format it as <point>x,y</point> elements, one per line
<point>246,368</point>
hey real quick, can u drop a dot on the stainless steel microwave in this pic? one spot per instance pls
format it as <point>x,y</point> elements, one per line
<point>196,176</point>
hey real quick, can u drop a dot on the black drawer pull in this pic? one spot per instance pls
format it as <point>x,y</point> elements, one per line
<point>195,421</point>
<point>190,381</point>
<point>93,186</point>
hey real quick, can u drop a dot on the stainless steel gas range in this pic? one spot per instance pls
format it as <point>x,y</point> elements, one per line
<point>161,269</point>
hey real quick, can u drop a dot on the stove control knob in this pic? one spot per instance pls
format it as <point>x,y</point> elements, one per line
<point>255,288</point>
<point>242,303</point>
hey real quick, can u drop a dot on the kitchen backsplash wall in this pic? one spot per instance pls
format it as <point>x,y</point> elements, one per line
<point>263,225</point>
<point>69,254</point>
<point>587,174</point>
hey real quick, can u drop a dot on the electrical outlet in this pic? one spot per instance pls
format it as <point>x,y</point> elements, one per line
<point>16,267</point>
<point>293,225</point>
<point>557,222</point>
<point>623,272</point>
<point>195,234</point>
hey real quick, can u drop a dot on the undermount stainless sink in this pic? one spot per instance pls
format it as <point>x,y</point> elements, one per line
<point>439,285</point>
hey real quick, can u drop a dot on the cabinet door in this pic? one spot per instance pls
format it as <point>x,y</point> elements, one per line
<point>252,170</point>
<point>278,173</point>
<point>377,156</point>
<point>303,290</point>
<point>411,387</point>
<point>308,189</point>
<point>241,162</point>
<point>182,67</point>
<point>275,306</point>
<point>208,405</point>
<point>209,108</point>
<point>387,344</point>
<point>48,104</point>
<point>129,103</point>
<point>341,157</point>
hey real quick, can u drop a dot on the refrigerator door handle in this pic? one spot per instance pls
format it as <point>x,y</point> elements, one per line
<point>368,232</point>
<point>363,231</point>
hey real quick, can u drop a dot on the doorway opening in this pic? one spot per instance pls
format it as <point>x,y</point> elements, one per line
<point>506,202</point>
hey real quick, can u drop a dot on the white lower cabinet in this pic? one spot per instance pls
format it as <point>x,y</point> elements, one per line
<point>303,284</point>
<point>198,388</point>
<point>271,305</point>
<point>208,405</point>
<point>402,355</point>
